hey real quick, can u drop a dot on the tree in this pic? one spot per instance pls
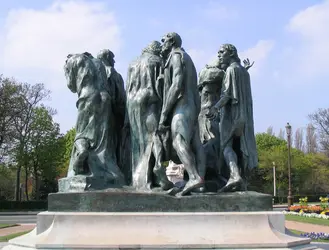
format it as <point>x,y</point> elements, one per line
<point>299,139</point>
<point>311,140</point>
<point>273,149</point>
<point>31,97</point>
<point>318,176</point>
<point>281,134</point>
<point>7,183</point>
<point>68,146</point>
<point>10,108</point>
<point>267,147</point>
<point>45,148</point>
<point>320,119</point>
<point>270,130</point>
<point>265,141</point>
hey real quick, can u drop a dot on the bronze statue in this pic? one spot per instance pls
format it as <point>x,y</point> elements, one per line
<point>93,154</point>
<point>181,106</point>
<point>237,139</point>
<point>144,101</point>
<point>121,124</point>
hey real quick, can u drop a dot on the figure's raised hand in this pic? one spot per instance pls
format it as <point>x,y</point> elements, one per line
<point>246,63</point>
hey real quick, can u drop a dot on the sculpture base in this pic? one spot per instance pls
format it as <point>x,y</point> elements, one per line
<point>127,200</point>
<point>81,183</point>
<point>248,230</point>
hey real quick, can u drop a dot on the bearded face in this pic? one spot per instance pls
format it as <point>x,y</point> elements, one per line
<point>167,45</point>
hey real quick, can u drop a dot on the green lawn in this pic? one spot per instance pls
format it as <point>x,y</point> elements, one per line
<point>11,236</point>
<point>315,221</point>
<point>7,225</point>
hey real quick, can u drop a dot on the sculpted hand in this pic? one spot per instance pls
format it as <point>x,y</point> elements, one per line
<point>213,113</point>
<point>247,64</point>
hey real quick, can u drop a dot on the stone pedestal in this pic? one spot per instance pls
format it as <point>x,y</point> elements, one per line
<point>90,230</point>
<point>81,183</point>
<point>125,200</point>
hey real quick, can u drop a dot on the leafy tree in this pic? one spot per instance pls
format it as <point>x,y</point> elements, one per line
<point>7,183</point>
<point>10,108</point>
<point>46,148</point>
<point>265,141</point>
<point>68,145</point>
<point>31,97</point>
<point>274,150</point>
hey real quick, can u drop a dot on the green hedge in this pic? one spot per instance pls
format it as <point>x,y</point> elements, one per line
<point>311,198</point>
<point>23,205</point>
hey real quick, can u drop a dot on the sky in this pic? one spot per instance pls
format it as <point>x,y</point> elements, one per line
<point>288,40</point>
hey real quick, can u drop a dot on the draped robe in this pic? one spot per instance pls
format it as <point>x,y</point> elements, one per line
<point>144,106</point>
<point>236,117</point>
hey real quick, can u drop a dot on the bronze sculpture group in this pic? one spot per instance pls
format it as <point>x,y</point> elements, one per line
<point>165,113</point>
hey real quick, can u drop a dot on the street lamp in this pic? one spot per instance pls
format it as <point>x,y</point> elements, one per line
<point>288,131</point>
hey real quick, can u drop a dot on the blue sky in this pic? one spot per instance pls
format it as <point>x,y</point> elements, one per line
<point>288,40</point>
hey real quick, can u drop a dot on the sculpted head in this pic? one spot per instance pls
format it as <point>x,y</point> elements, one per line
<point>107,57</point>
<point>169,41</point>
<point>153,48</point>
<point>71,67</point>
<point>228,54</point>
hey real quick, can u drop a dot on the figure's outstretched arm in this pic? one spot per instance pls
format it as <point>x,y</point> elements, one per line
<point>175,89</point>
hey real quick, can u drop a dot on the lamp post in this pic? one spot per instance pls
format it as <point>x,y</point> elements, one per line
<point>274,179</point>
<point>290,197</point>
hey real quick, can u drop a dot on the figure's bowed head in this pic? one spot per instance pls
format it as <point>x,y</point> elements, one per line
<point>153,48</point>
<point>107,57</point>
<point>71,65</point>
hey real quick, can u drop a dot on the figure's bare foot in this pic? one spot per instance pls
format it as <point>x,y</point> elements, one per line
<point>192,184</point>
<point>233,185</point>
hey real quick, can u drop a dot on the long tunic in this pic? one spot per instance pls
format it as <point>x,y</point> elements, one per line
<point>144,107</point>
<point>210,83</point>
<point>236,117</point>
<point>121,135</point>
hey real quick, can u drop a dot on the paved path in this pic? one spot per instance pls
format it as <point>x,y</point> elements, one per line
<point>16,229</point>
<point>306,227</point>
<point>2,244</point>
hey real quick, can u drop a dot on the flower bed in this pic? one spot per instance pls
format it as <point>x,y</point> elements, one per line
<point>309,209</point>
<point>309,215</point>
<point>312,211</point>
<point>316,236</point>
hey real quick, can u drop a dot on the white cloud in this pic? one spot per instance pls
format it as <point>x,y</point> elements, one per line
<point>311,26</point>
<point>200,57</point>
<point>43,38</point>
<point>36,43</point>
<point>216,11</point>
<point>259,53</point>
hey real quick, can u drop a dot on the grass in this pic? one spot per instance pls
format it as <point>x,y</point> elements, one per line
<point>316,221</point>
<point>11,236</point>
<point>7,225</point>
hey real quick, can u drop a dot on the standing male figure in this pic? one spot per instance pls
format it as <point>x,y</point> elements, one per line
<point>144,101</point>
<point>181,106</point>
<point>121,126</point>
<point>237,139</point>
